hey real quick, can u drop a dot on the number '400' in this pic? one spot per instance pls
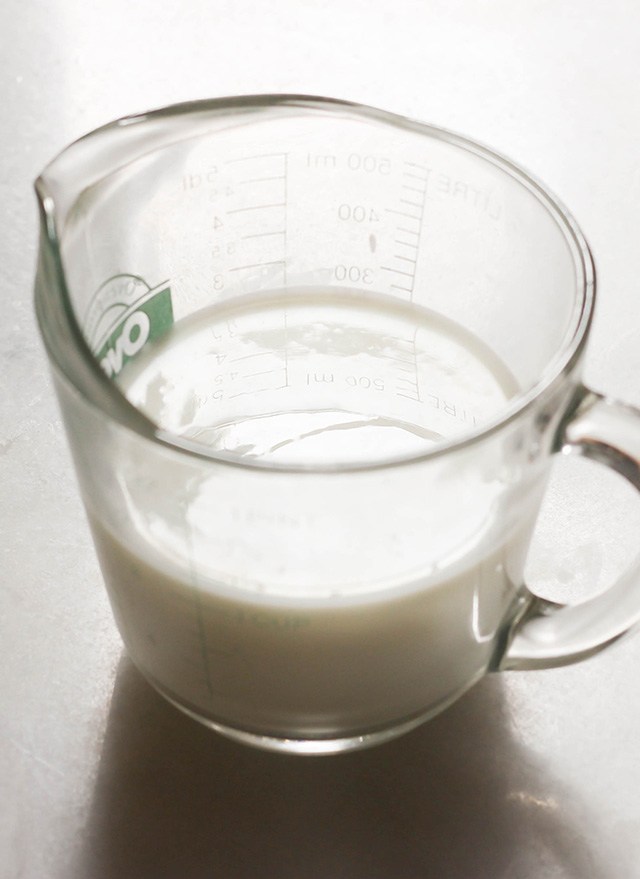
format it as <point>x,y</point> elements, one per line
<point>358,213</point>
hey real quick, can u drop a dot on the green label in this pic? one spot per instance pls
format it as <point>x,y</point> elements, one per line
<point>143,321</point>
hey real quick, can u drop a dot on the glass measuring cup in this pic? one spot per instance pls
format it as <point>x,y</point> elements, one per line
<point>314,360</point>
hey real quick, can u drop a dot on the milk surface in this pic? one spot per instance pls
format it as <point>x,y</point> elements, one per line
<point>297,605</point>
<point>314,376</point>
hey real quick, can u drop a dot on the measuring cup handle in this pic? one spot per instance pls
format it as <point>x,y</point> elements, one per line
<point>550,634</point>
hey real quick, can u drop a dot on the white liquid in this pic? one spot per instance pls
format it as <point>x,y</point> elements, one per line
<point>297,605</point>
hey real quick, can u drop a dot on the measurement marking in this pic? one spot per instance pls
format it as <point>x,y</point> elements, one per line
<point>254,391</point>
<point>258,207</point>
<point>393,211</point>
<point>247,356</point>
<point>264,234</point>
<point>266,372</point>
<point>418,165</point>
<point>415,364</point>
<point>414,188</point>
<point>259,156</point>
<point>286,211</point>
<point>403,382</point>
<point>261,179</point>
<point>415,232</point>
<point>257,265</point>
<point>406,341</point>
<point>395,359</point>
<point>397,271</point>
<point>412,362</point>
<point>286,352</point>
<point>415,176</point>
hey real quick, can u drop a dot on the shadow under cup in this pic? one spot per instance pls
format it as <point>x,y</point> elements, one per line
<point>312,359</point>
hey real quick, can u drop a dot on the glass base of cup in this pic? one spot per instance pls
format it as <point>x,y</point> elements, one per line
<point>303,746</point>
<point>314,746</point>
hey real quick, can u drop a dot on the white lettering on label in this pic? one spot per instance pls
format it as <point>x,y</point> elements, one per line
<point>135,332</point>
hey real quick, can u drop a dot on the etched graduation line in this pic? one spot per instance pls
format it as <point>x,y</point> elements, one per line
<point>261,179</point>
<point>415,176</point>
<point>403,214</point>
<point>258,265</point>
<point>248,356</point>
<point>397,271</point>
<point>285,245</point>
<point>286,351</point>
<point>265,372</point>
<point>417,201</point>
<point>255,391</point>
<point>418,165</point>
<point>264,234</point>
<point>258,156</point>
<point>419,189</point>
<point>258,207</point>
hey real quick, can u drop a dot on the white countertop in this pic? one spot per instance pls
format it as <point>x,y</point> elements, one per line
<point>532,775</point>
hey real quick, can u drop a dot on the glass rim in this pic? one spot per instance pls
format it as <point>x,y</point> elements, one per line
<point>127,415</point>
